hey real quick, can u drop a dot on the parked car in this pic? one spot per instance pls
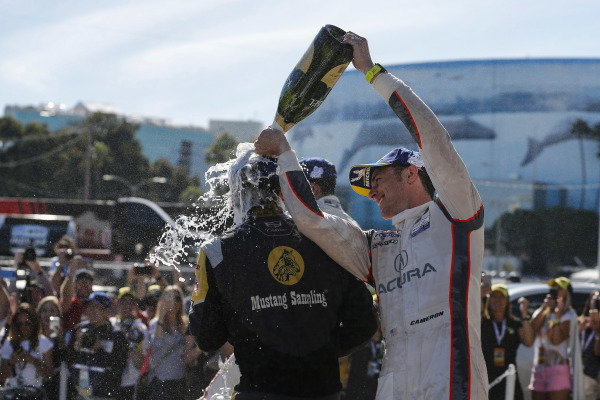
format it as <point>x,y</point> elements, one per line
<point>535,292</point>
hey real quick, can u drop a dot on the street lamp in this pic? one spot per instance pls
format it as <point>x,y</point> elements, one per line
<point>133,188</point>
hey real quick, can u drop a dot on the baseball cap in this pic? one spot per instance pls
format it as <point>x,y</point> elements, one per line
<point>84,273</point>
<point>126,291</point>
<point>317,168</point>
<point>499,287</point>
<point>561,281</point>
<point>360,175</point>
<point>101,298</point>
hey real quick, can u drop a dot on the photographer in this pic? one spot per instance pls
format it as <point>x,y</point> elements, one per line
<point>66,257</point>
<point>49,314</point>
<point>27,355</point>
<point>75,289</point>
<point>589,332</point>
<point>128,322</point>
<point>28,260</point>
<point>95,351</point>
<point>555,326</point>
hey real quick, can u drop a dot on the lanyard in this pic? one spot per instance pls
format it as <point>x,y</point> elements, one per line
<point>586,342</point>
<point>499,335</point>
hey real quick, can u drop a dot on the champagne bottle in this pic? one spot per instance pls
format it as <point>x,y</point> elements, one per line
<point>312,79</point>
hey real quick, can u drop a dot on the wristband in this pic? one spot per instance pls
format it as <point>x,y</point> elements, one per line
<point>373,72</point>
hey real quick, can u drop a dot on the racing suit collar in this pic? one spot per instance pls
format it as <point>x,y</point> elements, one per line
<point>417,211</point>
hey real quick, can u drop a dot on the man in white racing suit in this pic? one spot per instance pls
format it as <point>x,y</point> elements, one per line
<point>321,175</point>
<point>426,272</point>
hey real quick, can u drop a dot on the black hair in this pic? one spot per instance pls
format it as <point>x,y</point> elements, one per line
<point>327,185</point>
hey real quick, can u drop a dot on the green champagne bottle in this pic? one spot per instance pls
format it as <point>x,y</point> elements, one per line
<point>313,77</point>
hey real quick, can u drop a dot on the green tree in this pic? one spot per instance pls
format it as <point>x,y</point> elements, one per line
<point>221,149</point>
<point>546,238</point>
<point>36,162</point>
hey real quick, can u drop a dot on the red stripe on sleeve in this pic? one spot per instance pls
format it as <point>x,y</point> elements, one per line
<point>299,198</point>
<point>411,117</point>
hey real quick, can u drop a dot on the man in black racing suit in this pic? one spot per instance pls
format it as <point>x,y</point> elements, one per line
<point>285,306</point>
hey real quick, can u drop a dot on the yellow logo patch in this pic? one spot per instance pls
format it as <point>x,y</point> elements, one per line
<point>286,265</point>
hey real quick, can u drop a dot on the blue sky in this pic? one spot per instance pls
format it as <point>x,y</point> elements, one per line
<point>190,61</point>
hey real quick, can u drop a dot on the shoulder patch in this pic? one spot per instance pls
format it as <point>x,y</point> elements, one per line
<point>201,287</point>
<point>212,250</point>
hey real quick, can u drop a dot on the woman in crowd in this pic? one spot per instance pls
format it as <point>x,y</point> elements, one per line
<point>66,253</point>
<point>589,331</point>
<point>27,354</point>
<point>501,334</point>
<point>555,327</point>
<point>166,344</point>
<point>49,310</point>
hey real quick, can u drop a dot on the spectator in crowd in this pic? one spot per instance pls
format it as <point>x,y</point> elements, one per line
<point>96,351</point>
<point>66,256</point>
<point>5,311</point>
<point>166,341</point>
<point>75,289</point>
<point>321,175</point>
<point>589,331</point>
<point>26,355</point>
<point>38,284</point>
<point>555,326</point>
<point>48,309</point>
<point>501,334</point>
<point>288,310</point>
<point>151,301</point>
<point>127,321</point>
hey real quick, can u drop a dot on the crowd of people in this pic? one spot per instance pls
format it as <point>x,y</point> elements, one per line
<point>123,344</point>
<point>284,293</point>
<point>566,356</point>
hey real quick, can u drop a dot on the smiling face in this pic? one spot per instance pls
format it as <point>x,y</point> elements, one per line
<point>389,190</point>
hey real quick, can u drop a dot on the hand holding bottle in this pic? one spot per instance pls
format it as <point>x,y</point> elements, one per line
<point>361,56</point>
<point>271,142</point>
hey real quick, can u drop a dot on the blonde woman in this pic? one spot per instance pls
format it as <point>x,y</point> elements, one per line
<point>501,334</point>
<point>555,327</point>
<point>166,342</point>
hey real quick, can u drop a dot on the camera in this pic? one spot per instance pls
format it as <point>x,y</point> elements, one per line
<point>554,293</point>
<point>142,269</point>
<point>69,254</point>
<point>89,337</point>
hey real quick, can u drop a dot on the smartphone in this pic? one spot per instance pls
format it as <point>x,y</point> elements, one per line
<point>69,254</point>
<point>142,269</point>
<point>554,293</point>
<point>54,326</point>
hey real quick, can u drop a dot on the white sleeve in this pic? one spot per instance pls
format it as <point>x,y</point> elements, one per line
<point>342,239</point>
<point>444,166</point>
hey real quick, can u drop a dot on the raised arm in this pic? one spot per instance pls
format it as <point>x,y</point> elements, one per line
<point>443,164</point>
<point>343,240</point>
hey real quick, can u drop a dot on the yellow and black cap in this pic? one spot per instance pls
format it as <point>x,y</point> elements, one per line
<point>360,175</point>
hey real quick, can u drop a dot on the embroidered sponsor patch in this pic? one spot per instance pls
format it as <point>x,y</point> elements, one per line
<point>421,225</point>
<point>285,265</point>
